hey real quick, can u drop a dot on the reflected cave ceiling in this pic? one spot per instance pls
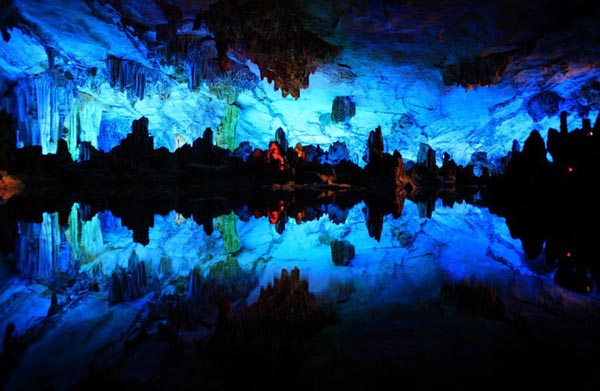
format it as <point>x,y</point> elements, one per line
<point>461,76</point>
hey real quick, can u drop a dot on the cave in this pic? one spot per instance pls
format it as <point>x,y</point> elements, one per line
<point>306,194</point>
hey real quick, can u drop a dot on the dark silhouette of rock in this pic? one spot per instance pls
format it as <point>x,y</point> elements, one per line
<point>281,140</point>
<point>479,71</point>
<point>8,141</point>
<point>342,252</point>
<point>136,146</point>
<point>426,157</point>
<point>128,284</point>
<point>374,147</point>
<point>10,338</point>
<point>54,306</point>
<point>270,34</point>
<point>543,104</point>
<point>342,109</point>
<point>338,151</point>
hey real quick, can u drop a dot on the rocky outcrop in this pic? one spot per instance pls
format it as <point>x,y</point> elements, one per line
<point>129,76</point>
<point>270,34</point>
<point>544,104</point>
<point>374,147</point>
<point>274,329</point>
<point>479,71</point>
<point>342,252</point>
<point>129,283</point>
<point>342,109</point>
<point>137,145</point>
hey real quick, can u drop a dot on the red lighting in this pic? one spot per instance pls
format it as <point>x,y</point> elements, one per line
<point>273,217</point>
<point>568,254</point>
<point>570,169</point>
<point>273,152</point>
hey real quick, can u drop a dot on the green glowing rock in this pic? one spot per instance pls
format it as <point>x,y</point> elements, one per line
<point>226,132</point>
<point>226,270</point>
<point>224,91</point>
<point>226,224</point>
<point>92,241</point>
<point>72,232</point>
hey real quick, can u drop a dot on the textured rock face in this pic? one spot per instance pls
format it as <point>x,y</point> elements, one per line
<point>462,77</point>
<point>342,252</point>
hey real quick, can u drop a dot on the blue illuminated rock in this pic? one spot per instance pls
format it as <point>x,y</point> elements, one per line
<point>83,71</point>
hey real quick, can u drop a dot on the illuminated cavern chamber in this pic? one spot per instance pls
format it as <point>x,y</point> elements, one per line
<point>461,84</point>
<point>189,69</point>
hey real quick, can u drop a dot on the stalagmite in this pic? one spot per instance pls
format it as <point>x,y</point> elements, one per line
<point>91,241</point>
<point>226,133</point>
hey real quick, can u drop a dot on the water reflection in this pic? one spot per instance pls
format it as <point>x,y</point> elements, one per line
<point>410,255</point>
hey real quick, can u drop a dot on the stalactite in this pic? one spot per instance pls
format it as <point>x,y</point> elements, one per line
<point>196,55</point>
<point>49,247</point>
<point>47,112</point>
<point>90,118</point>
<point>198,58</point>
<point>71,124</point>
<point>128,284</point>
<point>26,113</point>
<point>479,71</point>
<point>226,224</point>
<point>195,279</point>
<point>83,123</point>
<point>44,105</point>
<point>52,53</point>
<point>129,76</point>
<point>28,248</point>
<point>270,34</point>
<point>39,249</point>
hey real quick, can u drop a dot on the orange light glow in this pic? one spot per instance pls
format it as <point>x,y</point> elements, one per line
<point>273,153</point>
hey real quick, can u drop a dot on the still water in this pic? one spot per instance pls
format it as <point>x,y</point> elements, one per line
<point>448,293</point>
